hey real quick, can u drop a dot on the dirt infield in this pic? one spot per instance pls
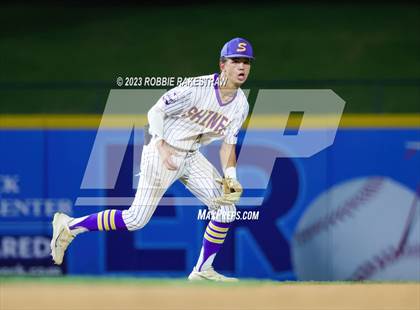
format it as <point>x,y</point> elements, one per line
<point>175,294</point>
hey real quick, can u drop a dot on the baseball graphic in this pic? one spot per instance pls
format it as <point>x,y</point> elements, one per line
<point>354,230</point>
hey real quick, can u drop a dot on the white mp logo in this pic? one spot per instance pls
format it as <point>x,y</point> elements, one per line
<point>320,111</point>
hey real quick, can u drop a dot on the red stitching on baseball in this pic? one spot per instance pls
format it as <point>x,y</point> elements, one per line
<point>369,190</point>
<point>382,260</point>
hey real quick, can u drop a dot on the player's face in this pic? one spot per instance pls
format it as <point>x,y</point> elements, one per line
<point>236,70</point>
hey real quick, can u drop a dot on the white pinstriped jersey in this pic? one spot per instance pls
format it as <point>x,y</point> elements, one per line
<point>195,114</point>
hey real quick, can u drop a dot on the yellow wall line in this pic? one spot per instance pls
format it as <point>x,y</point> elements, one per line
<point>86,121</point>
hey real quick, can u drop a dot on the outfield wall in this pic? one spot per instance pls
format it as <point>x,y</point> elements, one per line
<point>340,214</point>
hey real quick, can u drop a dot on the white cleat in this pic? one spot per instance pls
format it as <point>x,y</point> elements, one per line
<point>62,237</point>
<point>209,275</point>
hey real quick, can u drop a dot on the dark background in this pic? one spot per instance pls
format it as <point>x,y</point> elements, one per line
<point>64,58</point>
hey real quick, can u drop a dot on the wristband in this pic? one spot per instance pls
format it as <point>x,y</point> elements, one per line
<point>230,172</point>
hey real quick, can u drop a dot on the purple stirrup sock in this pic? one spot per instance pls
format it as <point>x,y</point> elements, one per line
<point>212,242</point>
<point>105,220</point>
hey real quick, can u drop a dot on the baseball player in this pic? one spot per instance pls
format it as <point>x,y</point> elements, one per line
<point>197,112</point>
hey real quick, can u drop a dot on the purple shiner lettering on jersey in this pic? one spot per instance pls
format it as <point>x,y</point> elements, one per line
<point>213,120</point>
<point>199,115</point>
<point>190,112</point>
<point>209,113</point>
<point>207,118</point>
<point>221,126</point>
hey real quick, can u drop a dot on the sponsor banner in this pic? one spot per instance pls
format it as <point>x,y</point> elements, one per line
<point>27,255</point>
<point>338,206</point>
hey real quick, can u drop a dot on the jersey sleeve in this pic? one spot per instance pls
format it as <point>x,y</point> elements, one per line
<point>176,100</point>
<point>235,126</point>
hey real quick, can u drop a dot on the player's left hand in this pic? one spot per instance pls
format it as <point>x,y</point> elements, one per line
<point>232,191</point>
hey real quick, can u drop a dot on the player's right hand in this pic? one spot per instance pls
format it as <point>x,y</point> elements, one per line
<point>166,152</point>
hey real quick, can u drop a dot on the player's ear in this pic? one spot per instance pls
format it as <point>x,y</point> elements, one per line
<point>221,66</point>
